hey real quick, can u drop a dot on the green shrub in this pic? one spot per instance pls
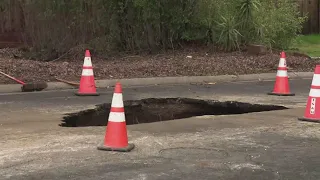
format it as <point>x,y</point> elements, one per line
<point>106,26</point>
<point>229,36</point>
<point>278,25</point>
<point>245,17</point>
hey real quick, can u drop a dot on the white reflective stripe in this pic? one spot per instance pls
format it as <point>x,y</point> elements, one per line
<point>316,80</point>
<point>87,62</point>
<point>87,72</point>
<point>117,100</point>
<point>116,117</point>
<point>282,62</point>
<point>314,93</point>
<point>282,73</point>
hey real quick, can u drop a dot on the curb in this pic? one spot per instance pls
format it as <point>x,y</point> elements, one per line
<point>7,88</point>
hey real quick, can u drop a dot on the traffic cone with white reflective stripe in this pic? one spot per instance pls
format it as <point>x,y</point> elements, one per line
<point>87,83</point>
<point>312,111</point>
<point>116,138</point>
<point>281,86</point>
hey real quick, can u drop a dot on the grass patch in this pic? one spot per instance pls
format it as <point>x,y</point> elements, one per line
<point>308,44</point>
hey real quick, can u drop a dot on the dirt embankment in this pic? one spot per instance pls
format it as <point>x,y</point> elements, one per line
<point>186,62</point>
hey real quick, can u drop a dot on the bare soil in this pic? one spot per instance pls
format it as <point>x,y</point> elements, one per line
<point>186,62</point>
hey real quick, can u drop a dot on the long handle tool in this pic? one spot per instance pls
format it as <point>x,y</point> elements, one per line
<point>28,87</point>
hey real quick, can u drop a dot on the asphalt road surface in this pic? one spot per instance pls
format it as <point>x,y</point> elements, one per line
<point>67,97</point>
<point>265,145</point>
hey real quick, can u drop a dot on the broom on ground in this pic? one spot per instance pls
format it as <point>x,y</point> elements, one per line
<point>28,87</point>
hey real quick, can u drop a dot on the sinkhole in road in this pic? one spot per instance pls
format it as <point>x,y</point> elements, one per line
<point>155,110</point>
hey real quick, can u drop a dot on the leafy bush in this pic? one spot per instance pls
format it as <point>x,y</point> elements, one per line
<point>105,26</point>
<point>245,14</point>
<point>278,25</point>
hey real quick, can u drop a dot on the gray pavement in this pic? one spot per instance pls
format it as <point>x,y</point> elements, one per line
<point>265,145</point>
<point>5,88</point>
<point>67,97</point>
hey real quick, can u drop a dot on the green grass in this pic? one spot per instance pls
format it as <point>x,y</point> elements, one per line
<point>308,44</point>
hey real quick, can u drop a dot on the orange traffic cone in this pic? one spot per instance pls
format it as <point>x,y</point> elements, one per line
<point>87,83</point>
<point>282,87</point>
<point>312,111</point>
<point>116,138</point>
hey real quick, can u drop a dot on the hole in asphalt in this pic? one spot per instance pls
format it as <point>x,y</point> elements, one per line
<point>155,110</point>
